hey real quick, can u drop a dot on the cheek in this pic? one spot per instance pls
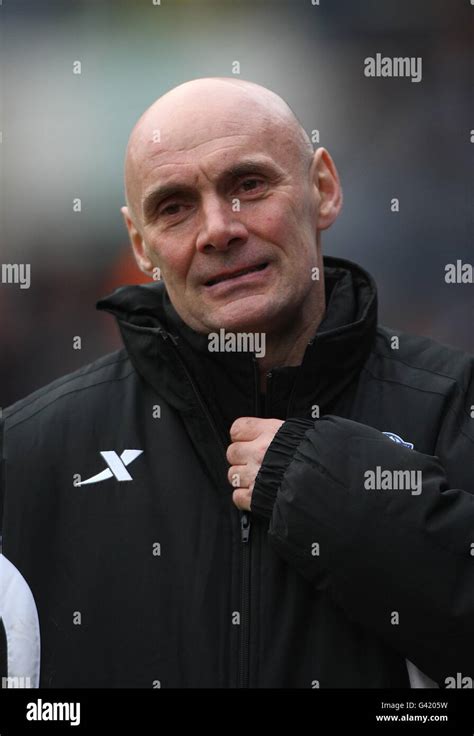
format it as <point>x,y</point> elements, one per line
<point>277,222</point>
<point>173,258</point>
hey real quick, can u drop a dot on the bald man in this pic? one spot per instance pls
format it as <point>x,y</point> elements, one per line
<point>224,141</point>
<point>264,487</point>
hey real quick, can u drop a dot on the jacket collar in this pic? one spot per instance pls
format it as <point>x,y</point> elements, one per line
<point>176,361</point>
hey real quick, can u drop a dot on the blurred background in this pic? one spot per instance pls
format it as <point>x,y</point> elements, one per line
<point>64,137</point>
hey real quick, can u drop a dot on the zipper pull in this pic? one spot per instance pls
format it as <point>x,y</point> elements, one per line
<point>244,526</point>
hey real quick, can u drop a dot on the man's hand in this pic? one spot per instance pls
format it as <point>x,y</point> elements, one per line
<point>251,438</point>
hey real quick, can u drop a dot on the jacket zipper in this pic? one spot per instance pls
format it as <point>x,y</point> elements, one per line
<point>243,673</point>
<point>245,601</point>
<point>246,590</point>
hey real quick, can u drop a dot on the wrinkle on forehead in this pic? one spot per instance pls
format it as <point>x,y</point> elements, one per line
<point>212,139</point>
<point>203,111</point>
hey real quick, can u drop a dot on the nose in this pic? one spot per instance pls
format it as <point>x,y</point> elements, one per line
<point>220,226</point>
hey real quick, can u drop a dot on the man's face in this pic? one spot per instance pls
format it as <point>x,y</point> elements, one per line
<point>229,213</point>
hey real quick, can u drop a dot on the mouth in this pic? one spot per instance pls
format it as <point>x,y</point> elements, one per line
<point>236,274</point>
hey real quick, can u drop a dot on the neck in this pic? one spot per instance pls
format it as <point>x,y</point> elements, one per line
<point>288,348</point>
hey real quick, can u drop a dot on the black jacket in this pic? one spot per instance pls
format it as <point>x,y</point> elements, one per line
<point>159,581</point>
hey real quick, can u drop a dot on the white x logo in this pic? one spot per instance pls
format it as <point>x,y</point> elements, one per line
<point>117,466</point>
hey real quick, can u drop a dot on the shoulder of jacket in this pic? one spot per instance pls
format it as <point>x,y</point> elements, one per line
<point>67,391</point>
<point>414,357</point>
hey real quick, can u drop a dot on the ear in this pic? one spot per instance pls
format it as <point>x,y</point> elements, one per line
<point>138,244</point>
<point>326,181</point>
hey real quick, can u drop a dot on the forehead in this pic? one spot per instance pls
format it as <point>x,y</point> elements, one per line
<point>208,162</point>
<point>210,143</point>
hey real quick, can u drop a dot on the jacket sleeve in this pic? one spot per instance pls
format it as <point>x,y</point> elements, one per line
<point>398,562</point>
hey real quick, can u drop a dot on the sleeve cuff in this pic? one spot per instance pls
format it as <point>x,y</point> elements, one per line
<point>277,459</point>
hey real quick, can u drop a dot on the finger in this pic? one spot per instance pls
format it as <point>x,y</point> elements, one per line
<point>238,453</point>
<point>241,498</point>
<point>235,476</point>
<point>242,476</point>
<point>246,428</point>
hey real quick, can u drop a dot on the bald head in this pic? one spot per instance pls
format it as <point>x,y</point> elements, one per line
<point>202,110</point>
<point>225,200</point>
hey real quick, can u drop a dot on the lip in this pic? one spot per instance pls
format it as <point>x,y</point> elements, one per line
<point>230,283</point>
<point>236,275</point>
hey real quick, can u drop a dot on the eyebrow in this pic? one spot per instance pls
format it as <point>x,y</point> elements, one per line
<point>172,189</point>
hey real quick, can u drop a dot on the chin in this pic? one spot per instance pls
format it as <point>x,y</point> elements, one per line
<point>242,317</point>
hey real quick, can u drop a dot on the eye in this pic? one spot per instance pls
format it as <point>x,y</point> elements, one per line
<point>251,184</point>
<point>171,209</point>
